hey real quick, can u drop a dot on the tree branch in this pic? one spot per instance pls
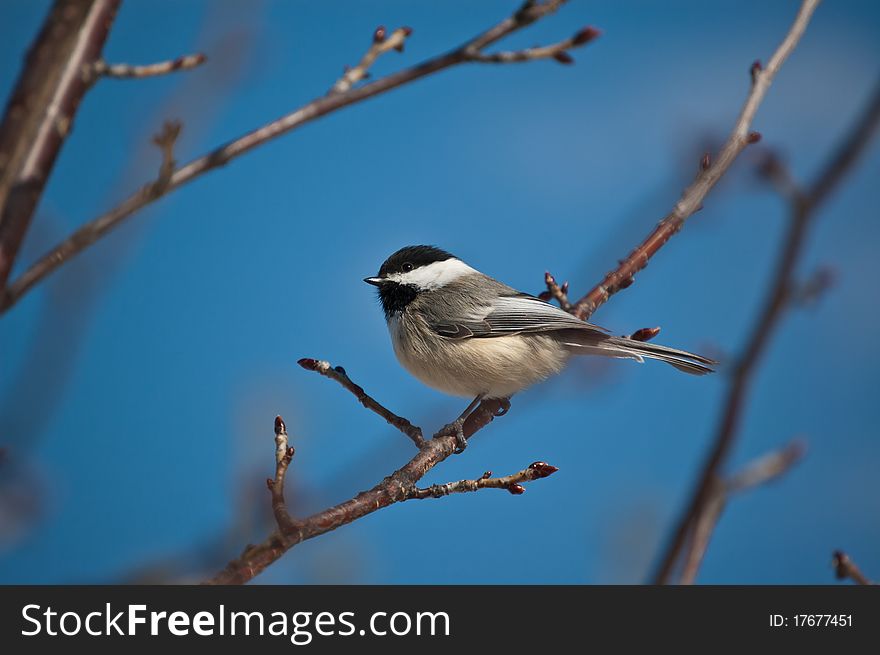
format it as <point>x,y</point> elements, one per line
<point>802,212</point>
<point>96,228</point>
<point>397,487</point>
<point>845,568</point>
<point>763,470</point>
<point>339,375</point>
<point>41,110</point>
<point>709,174</point>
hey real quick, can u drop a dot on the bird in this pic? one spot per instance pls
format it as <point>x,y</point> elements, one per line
<point>464,333</point>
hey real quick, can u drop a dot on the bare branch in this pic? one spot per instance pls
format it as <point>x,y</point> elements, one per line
<point>692,198</point>
<point>127,71</point>
<point>380,46</point>
<point>802,210</point>
<point>96,228</point>
<point>845,568</point>
<point>41,109</point>
<point>512,483</point>
<point>761,471</point>
<point>338,374</point>
<point>397,487</point>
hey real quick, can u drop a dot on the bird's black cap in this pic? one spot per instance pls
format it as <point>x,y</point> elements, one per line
<point>416,256</point>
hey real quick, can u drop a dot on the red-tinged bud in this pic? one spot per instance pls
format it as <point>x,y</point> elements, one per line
<point>486,475</point>
<point>340,370</point>
<point>308,363</point>
<point>563,57</point>
<point>406,30</point>
<point>543,469</point>
<point>645,334</point>
<point>290,453</point>
<point>626,282</point>
<point>399,47</point>
<point>705,162</point>
<point>279,425</point>
<point>379,34</point>
<point>516,489</point>
<point>564,288</point>
<point>549,279</point>
<point>753,137</point>
<point>270,483</point>
<point>545,296</point>
<point>755,69</point>
<point>586,35</point>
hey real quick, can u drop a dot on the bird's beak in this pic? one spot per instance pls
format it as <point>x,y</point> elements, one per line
<point>375,281</point>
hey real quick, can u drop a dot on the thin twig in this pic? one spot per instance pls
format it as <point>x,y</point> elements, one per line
<point>558,293</point>
<point>128,71</point>
<point>557,51</point>
<point>96,228</point>
<point>165,141</point>
<point>845,568</point>
<point>512,483</point>
<point>763,470</point>
<point>777,302</point>
<point>692,198</point>
<point>380,46</point>
<point>283,456</point>
<point>338,374</point>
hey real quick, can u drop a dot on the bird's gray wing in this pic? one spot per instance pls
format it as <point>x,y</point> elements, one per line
<point>507,315</point>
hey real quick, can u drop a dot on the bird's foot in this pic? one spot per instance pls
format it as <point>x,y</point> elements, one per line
<point>504,408</point>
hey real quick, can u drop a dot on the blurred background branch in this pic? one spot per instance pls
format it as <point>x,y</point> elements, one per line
<point>803,207</point>
<point>845,568</point>
<point>40,112</point>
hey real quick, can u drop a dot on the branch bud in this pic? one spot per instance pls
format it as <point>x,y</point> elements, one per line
<point>308,363</point>
<point>279,425</point>
<point>379,34</point>
<point>645,334</point>
<point>755,69</point>
<point>563,57</point>
<point>753,137</point>
<point>586,35</point>
<point>543,469</point>
<point>705,162</point>
<point>516,489</point>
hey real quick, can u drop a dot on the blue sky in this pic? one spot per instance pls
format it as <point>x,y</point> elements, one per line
<point>138,385</point>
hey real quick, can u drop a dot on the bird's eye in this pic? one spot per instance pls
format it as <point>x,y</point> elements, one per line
<point>407,267</point>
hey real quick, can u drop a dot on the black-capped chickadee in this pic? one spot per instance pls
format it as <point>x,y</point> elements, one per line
<point>466,334</point>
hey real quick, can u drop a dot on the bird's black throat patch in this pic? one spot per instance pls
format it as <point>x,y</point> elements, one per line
<point>395,297</point>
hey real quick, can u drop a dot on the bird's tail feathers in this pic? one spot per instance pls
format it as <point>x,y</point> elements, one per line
<point>587,343</point>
